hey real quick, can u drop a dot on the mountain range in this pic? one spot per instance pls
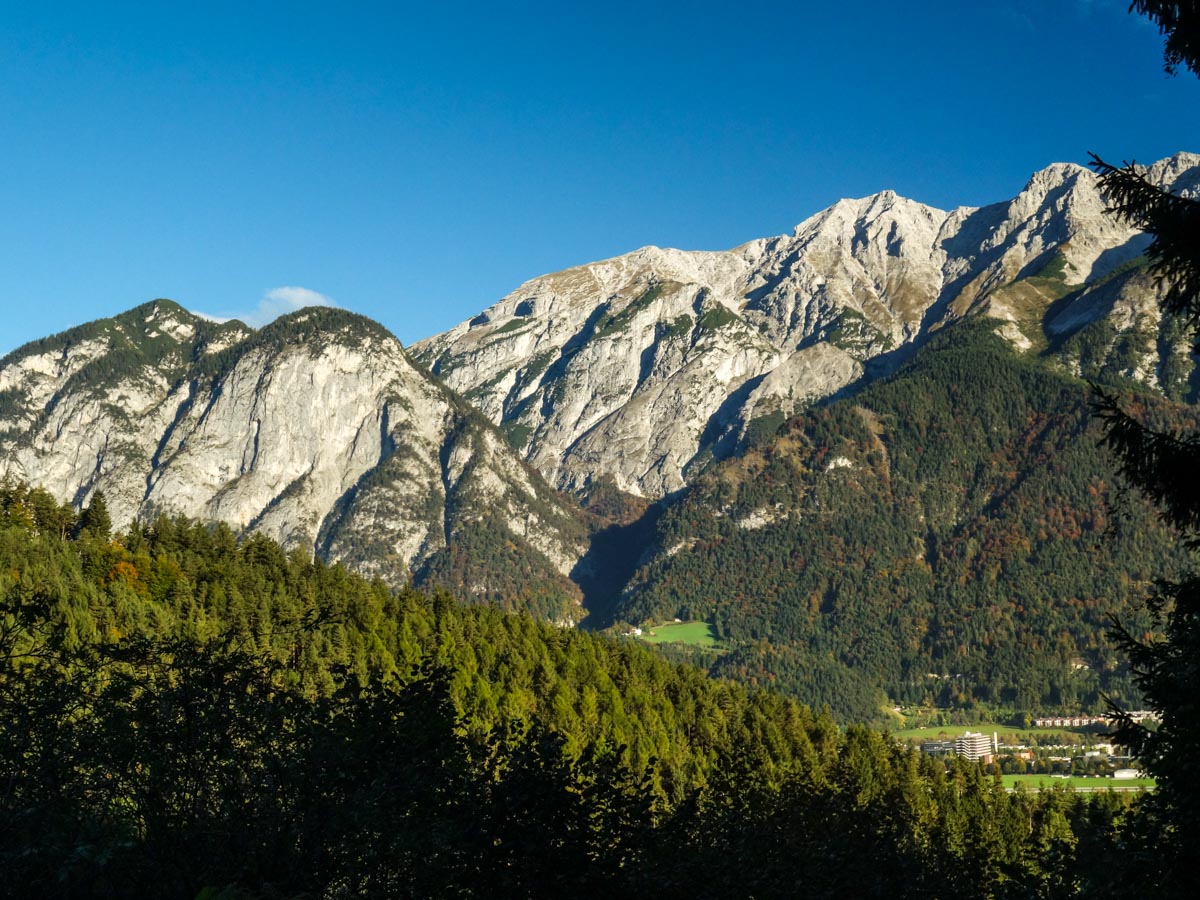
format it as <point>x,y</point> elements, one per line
<point>634,367</point>
<point>315,430</point>
<point>829,444</point>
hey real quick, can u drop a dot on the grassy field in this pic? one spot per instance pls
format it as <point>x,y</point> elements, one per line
<point>1080,784</point>
<point>1006,732</point>
<point>699,634</point>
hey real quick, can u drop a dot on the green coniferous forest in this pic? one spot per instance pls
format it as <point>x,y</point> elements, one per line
<point>184,715</point>
<point>949,536</point>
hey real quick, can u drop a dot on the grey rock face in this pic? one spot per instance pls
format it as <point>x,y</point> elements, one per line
<point>320,432</point>
<point>316,431</point>
<point>634,367</point>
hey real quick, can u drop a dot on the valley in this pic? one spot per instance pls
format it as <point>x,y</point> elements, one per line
<point>642,563</point>
<point>689,451</point>
<point>862,454</point>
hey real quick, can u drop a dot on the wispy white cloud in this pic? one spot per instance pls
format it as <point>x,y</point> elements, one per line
<point>275,303</point>
<point>207,317</point>
<point>283,300</point>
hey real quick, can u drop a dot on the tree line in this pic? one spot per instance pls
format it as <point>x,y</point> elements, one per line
<point>183,713</point>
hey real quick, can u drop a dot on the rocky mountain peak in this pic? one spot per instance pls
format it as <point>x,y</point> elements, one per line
<point>1181,173</point>
<point>641,366</point>
<point>315,430</point>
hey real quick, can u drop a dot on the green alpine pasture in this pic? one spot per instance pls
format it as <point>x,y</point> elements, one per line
<point>698,634</point>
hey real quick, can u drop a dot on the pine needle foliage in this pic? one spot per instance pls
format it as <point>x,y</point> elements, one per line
<point>1163,465</point>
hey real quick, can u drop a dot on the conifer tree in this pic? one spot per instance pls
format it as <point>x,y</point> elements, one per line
<point>1163,465</point>
<point>95,519</point>
<point>1179,23</point>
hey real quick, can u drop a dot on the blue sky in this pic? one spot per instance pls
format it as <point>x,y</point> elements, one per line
<point>414,163</point>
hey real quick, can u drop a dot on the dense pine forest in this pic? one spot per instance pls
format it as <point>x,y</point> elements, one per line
<point>183,714</point>
<point>949,536</point>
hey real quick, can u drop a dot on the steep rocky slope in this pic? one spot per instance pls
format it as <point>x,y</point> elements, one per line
<point>634,375</point>
<point>641,367</point>
<point>316,431</point>
<point>949,535</point>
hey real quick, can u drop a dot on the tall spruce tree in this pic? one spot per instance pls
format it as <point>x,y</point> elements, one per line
<point>95,519</point>
<point>1163,465</point>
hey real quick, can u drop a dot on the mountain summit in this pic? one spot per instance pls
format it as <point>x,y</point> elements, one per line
<point>315,430</point>
<point>634,373</point>
<point>642,366</point>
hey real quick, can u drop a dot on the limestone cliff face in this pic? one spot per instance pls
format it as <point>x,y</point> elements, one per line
<point>316,431</point>
<point>320,432</point>
<point>642,366</point>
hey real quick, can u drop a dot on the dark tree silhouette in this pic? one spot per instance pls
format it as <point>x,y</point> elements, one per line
<point>95,519</point>
<point>1179,23</point>
<point>1163,465</point>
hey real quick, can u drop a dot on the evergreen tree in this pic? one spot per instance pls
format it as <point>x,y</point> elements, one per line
<point>1162,463</point>
<point>95,520</point>
<point>1179,23</point>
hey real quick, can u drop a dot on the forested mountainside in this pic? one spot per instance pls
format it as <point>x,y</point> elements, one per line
<point>898,497</point>
<point>949,536</point>
<point>640,368</point>
<point>182,715</point>
<point>865,450</point>
<point>315,430</point>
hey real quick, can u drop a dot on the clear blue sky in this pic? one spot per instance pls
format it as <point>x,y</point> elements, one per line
<point>415,162</point>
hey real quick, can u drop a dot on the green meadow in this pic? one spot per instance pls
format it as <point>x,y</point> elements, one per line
<point>1006,733</point>
<point>698,634</point>
<point>1046,782</point>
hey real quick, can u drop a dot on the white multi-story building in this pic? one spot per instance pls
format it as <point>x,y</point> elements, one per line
<point>974,745</point>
